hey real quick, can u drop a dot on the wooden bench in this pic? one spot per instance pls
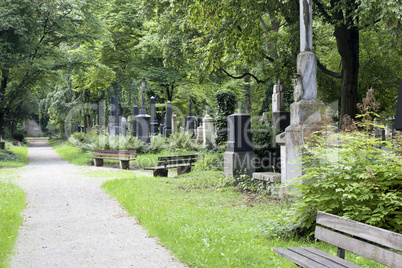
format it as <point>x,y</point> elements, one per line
<point>374,243</point>
<point>183,163</point>
<point>124,157</point>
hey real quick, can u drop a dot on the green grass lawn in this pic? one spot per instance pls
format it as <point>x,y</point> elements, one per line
<point>72,154</point>
<point>203,222</point>
<point>18,159</point>
<point>12,203</point>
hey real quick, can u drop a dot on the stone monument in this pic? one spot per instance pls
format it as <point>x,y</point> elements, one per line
<point>143,119</point>
<point>174,123</point>
<point>135,123</point>
<point>200,136</point>
<point>190,120</point>
<point>239,156</point>
<point>208,129</point>
<point>154,121</point>
<point>114,117</point>
<point>168,119</point>
<point>280,117</point>
<point>123,125</point>
<point>306,110</point>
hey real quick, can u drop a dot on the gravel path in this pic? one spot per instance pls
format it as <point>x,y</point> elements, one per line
<point>71,222</point>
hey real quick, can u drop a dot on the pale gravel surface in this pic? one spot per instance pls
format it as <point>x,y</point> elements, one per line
<point>71,222</point>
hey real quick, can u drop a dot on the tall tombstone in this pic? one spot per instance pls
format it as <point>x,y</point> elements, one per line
<point>114,117</point>
<point>162,126</point>
<point>239,156</point>
<point>135,123</point>
<point>154,121</point>
<point>208,130</point>
<point>190,120</point>
<point>168,119</point>
<point>143,120</point>
<point>200,136</point>
<point>398,115</point>
<point>280,117</point>
<point>123,125</point>
<point>174,123</point>
<point>306,110</point>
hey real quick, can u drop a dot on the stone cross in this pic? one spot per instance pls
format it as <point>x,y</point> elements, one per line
<point>306,83</point>
<point>306,25</point>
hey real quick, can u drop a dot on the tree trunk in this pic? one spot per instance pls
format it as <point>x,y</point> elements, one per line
<point>3,85</point>
<point>347,38</point>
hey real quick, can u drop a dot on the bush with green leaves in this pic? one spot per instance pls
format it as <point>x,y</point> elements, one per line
<point>157,144</point>
<point>353,175</point>
<point>182,141</point>
<point>210,162</point>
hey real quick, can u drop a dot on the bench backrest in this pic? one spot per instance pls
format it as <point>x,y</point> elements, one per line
<point>362,239</point>
<point>177,160</point>
<point>115,153</point>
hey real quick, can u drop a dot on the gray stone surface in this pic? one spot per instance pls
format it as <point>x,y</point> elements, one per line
<point>278,100</point>
<point>135,127</point>
<point>307,68</point>
<point>154,121</point>
<point>174,123</point>
<point>71,222</point>
<point>208,129</point>
<point>398,116</point>
<point>306,111</point>
<point>306,25</point>
<point>143,125</point>
<point>238,163</point>
<point>239,133</point>
<point>33,129</point>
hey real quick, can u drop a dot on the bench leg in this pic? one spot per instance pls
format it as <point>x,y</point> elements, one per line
<point>182,170</point>
<point>160,172</point>
<point>124,164</point>
<point>98,162</point>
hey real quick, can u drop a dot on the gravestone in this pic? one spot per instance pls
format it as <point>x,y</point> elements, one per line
<point>190,120</point>
<point>143,120</point>
<point>174,123</point>
<point>135,123</point>
<point>306,110</point>
<point>208,129</point>
<point>114,117</point>
<point>168,119</point>
<point>280,117</point>
<point>123,125</point>
<point>154,121</point>
<point>162,126</point>
<point>239,156</point>
<point>398,115</point>
<point>200,136</point>
<point>181,130</point>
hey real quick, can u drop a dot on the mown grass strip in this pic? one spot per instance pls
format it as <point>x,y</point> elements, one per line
<point>12,203</point>
<point>72,154</point>
<point>205,224</point>
<point>18,158</point>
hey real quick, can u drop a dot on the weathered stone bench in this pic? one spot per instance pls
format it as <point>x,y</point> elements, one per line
<point>124,157</point>
<point>183,163</point>
<point>374,243</point>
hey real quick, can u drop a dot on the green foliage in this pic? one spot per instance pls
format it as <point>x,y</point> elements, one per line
<point>353,175</point>
<point>157,144</point>
<point>14,156</point>
<point>12,203</point>
<point>182,141</point>
<point>74,155</point>
<point>226,106</point>
<point>210,162</point>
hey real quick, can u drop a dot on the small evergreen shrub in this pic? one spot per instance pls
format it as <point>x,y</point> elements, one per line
<point>157,144</point>
<point>182,141</point>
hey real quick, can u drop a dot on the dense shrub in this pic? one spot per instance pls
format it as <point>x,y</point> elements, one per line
<point>353,175</point>
<point>157,144</point>
<point>182,141</point>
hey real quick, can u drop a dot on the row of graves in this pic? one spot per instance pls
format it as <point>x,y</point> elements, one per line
<point>143,125</point>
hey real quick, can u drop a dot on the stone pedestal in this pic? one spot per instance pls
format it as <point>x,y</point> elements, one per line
<point>281,120</point>
<point>306,111</point>
<point>143,127</point>
<point>123,124</point>
<point>154,122</point>
<point>208,129</point>
<point>239,157</point>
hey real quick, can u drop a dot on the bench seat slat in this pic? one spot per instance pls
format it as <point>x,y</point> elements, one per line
<point>359,247</point>
<point>365,231</point>
<point>332,257</point>
<point>117,155</point>
<point>115,151</point>
<point>297,258</point>
<point>317,258</point>
<point>195,156</point>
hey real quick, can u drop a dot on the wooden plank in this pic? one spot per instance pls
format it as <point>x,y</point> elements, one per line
<point>317,258</point>
<point>167,167</point>
<point>359,247</point>
<point>111,158</point>
<point>178,157</point>
<point>365,231</point>
<point>332,257</point>
<point>116,155</point>
<point>115,151</point>
<point>297,258</point>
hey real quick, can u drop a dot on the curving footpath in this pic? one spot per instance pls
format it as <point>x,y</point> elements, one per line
<point>70,222</point>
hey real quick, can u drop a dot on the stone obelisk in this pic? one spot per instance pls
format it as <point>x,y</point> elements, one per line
<point>143,119</point>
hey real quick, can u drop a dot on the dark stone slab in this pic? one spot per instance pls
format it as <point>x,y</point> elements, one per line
<point>239,133</point>
<point>398,115</point>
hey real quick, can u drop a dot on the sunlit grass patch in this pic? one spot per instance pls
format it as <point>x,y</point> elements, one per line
<point>13,156</point>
